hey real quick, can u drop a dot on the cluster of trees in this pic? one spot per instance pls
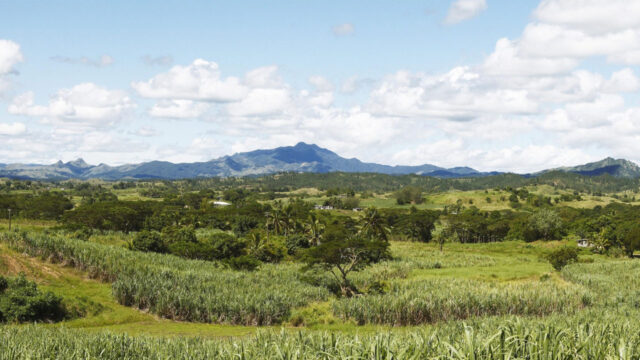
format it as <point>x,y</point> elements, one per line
<point>45,205</point>
<point>409,195</point>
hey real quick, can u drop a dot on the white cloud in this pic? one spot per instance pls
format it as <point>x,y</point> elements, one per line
<point>506,60</point>
<point>178,109</point>
<point>624,80</point>
<point>263,77</point>
<point>321,83</point>
<point>261,101</point>
<point>15,128</point>
<point>201,80</point>
<point>162,60</point>
<point>462,10</point>
<point>344,29</point>
<point>83,106</point>
<point>10,55</point>
<point>146,131</point>
<point>102,61</point>
<point>591,16</point>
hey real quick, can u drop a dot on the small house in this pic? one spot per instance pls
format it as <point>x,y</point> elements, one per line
<point>221,203</point>
<point>323,207</point>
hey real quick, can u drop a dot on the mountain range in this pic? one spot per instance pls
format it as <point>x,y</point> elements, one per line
<point>299,158</point>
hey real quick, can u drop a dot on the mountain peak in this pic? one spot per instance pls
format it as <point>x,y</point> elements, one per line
<point>79,163</point>
<point>608,165</point>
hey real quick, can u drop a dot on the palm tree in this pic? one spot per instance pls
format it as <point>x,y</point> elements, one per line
<point>256,244</point>
<point>373,225</point>
<point>288,220</point>
<point>315,229</point>
<point>275,221</point>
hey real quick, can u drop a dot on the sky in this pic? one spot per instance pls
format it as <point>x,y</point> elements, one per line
<point>492,84</point>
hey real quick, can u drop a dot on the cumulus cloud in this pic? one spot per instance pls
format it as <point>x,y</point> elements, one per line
<point>344,29</point>
<point>461,10</point>
<point>590,16</point>
<point>83,106</point>
<point>102,61</point>
<point>201,80</point>
<point>15,128</point>
<point>508,60</point>
<point>10,56</point>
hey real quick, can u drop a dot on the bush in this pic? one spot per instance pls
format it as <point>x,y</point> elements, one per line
<point>21,301</point>
<point>244,262</point>
<point>563,256</point>
<point>273,251</point>
<point>173,234</point>
<point>225,246</point>
<point>296,242</point>
<point>148,241</point>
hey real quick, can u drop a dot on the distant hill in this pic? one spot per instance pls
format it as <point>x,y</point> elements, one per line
<point>615,167</point>
<point>299,158</point>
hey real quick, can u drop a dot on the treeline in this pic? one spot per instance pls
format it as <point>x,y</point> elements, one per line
<point>387,183</point>
<point>47,205</point>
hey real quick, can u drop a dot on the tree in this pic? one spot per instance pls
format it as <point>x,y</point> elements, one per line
<point>444,233</point>
<point>315,230</point>
<point>342,256</point>
<point>148,241</point>
<point>418,225</point>
<point>373,225</point>
<point>628,234</point>
<point>562,256</point>
<point>546,222</point>
<point>409,195</point>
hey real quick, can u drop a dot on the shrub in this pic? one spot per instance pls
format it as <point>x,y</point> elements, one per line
<point>224,246</point>
<point>173,234</point>
<point>562,256</point>
<point>295,243</point>
<point>21,301</point>
<point>244,262</point>
<point>148,241</point>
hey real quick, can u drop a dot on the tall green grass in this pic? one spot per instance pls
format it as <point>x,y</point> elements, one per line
<point>429,301</point>
<point>511,340</point>
<point>177,288</point>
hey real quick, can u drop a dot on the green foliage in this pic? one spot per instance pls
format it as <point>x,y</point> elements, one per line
<point>429,301</point>
<point>244,262</point>
<point>501,339</point>
<point>409,195</point>
<point>562,256</point>
<point>546,222</point>
<point>21,301</point>
<point>346,255</point>
<point>224,246</point>
<point>418,225</point>
<point>628,235</point>
<point>46,205</point>
<point>113,215</point>
<point>180,289</point>
<point>148,241</point>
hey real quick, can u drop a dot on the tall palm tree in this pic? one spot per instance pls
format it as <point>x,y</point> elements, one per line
<point>315,229</point>
<point>373,225</point>
<point>255,244</point>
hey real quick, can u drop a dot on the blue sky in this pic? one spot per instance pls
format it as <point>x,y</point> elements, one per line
<point>496,85</point>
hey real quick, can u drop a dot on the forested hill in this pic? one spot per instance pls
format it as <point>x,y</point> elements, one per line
<point>301,158</point>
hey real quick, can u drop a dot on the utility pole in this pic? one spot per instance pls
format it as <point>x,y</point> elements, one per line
<point>9,219</point>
